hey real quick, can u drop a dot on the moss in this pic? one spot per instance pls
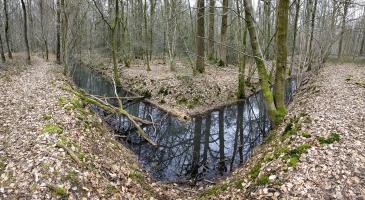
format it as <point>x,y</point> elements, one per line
<point>193,102</point>
<point>146,93</point>
<point>303,148</point>
<point>294,155</point>
<point>47,117</point>
<point>221,63</point>
<point>348,77</point>
<point>77,103</point>
<point>360,83</point>
<point>334,137</point>
<point>293,161</point>
<point>62,101</point>
<point>214,190</point>
<point>73,177</point>
<point>306,134</point>
<point>58,191</point>
<point>136,176</point>
<point>279,151</point>
<point>255,171</point>
<point>262,180</point>
<point>238,184</point>
<point>164,91</point>
<point>2,166</point>
<point>111,189</point>
<point>52,129</point>
<point>183,100</point>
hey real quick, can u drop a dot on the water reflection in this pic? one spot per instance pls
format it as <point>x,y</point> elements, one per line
<point>209,146</point>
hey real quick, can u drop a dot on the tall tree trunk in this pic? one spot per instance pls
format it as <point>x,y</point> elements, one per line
<point>31,25</point>
<point>223,45</point>
<point>146,36</point>
<point>152,20</point>
<point>26,31</point>
<point>44,36</point>
<point>343,27</point>
<point>281,54</point>
<point>310,55</point>
<point>114,48</point>
<point>263,77</point>
<point>241,57</point>
<point>361,52</point>
<point>297,7</point>
<point>267,27</point>
<point>64,32</point>
<point>211,30</point>
<point>200,37</point>
<point>58,33</point>
<point>7,36</point>
<point>3,59</point>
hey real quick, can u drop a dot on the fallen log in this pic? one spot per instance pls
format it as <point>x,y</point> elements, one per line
<point>111,109</point>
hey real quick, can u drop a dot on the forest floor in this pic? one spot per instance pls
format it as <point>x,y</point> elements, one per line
<point>53,146</point>
<point>318,152</point>
<point>180,92</point>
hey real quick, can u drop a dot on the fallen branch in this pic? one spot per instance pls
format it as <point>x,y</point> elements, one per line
<point>71,153</point>
<point>111,109</point>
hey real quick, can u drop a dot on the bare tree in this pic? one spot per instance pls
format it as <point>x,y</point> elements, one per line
<point>26,31</point>
<point>58,33</point>
<point>211,29</point>
<point>281,54</point>
<point>343,27</point>
<point>200,37</point>
<point>223,45</point>
<point>7,35</point>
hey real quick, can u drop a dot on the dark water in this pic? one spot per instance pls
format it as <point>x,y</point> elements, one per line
<point>209,146</point>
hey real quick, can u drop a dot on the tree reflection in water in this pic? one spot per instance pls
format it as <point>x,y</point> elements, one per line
<point>209,146</point>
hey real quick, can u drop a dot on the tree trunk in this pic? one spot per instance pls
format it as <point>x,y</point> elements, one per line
<point>267,28</point>
<point>58,34</point>
<point>363,36</point>
<point>64,26</point>
<point>241,57</point>
<point>281,55</point>
<point>297,7</point>
<point>44,36</point>
<point>200,37</point>
<point>343,27</point>
<point>311,35</point>
<point>7,36</point>
<point>114,48</point>
<point>211,30</point>
<point>2,50</point>
<point>264,79</point>
<point>152,20</point>
<point>26,31</point>
<point>146,36</point>
<point>223,45</point>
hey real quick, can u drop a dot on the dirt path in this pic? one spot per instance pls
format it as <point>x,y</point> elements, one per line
<point>38,119</point>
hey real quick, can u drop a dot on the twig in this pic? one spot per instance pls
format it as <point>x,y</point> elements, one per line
<point>71,153</point>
